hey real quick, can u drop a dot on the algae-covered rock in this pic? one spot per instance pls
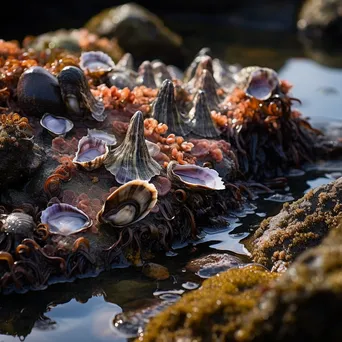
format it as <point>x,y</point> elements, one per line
<point>137,31</point>
<point>252,304</point>
<point>213,312</point>
<point>298,226</point>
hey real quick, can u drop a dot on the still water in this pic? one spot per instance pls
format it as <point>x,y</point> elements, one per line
<point>84,310</point>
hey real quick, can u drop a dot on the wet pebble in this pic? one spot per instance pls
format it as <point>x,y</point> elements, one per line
<point>155,271</point>
<point>280,198</point>
<point>213,264</point>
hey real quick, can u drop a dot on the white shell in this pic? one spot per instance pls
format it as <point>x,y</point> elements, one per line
<point>96,61</point>
<point>91,153</point>
<point>56,125</point>
<point>65,219</point>
<point>195,176</point>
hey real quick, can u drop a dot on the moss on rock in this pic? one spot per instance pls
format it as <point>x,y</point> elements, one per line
<point>298,226</point>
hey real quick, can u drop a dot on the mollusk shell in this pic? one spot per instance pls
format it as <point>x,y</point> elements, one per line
<point>65,219</point>
<point>153,149</point>
<point>17,223</point>
<point>195,176</point>
<point>77,95</point>
<point>38,92</point>
<point>91,153</point>
<point>96,61</point>
<point>258,82</point>
<point>165,110</point>
<point>146,75</point>
<point>109,139</point>
<point>131,160</point>
<point>56,125</point>
<point>128,204</point>
<point>202,123</point>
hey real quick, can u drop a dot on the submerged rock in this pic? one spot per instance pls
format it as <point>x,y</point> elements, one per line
<point>252,304</point>
<point>298,226</point>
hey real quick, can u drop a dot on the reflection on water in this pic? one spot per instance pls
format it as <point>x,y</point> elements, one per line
<point>84,310</point>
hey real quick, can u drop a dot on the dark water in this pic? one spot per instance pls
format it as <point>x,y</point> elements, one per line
<point>84,310</point>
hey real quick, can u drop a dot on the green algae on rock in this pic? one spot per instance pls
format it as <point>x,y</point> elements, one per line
<point>212,312</point>
<point>252,304</point>
<point>298,226</point>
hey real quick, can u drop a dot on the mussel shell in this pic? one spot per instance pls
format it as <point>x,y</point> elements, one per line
<point>194,176</point>
<point>128,204</point>
<point>56,125</point>
<point>109,139</point>
<point>96,61</point>
<point>77,95</point>
<point>65,219</point>
<point>91,153</point>
<point>39,92</point>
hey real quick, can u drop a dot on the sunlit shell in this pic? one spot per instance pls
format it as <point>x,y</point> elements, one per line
<point>160,72</point>
<point>91,153</point>
<point>205,63</point>
<point>96,61</point>
<point>56,125</point>
<point>202,123</point>
<point>128,204</point>
<point>223,73</point>
<point>122,79</point>
<point>146,75</point>
<point>109,139</point>
<point>77,95</point>
<point>194,176</point>
<point>153,149</point>
<point>258,82</point>
<point>207,83</point>
<point>131,160</point>
<point>65,219</point>
<point>126,62</point>
<point>17,223</point>
<point>191,70</point>
<point>164,110</point>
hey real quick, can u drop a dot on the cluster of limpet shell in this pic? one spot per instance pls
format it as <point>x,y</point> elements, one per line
<point>117,161</point>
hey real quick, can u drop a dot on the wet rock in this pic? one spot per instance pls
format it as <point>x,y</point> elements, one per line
<point>298,226</point>
<point>251,304</point>
<point>155,271</point>
<point>213,264</point>
<point>320,21</point>
<point>213,311</point>
<point>139,32</point>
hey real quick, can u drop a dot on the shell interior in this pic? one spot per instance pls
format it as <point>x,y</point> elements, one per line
<point>96,61</point>
<point>197,175</point>
<point>65,219</point>
<point>129,203</point>
<point>89,149</point>
<point>109,139</point>
<point>56,124</point>
<point>261,84</point>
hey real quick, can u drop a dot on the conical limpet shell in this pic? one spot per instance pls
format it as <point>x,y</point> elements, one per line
<point>207,83</point>
<point>146,75</point>
<point>126,62</point>
<point>191,70</point>
<point>91,153</point>
<point>56,125</point>
<point>131,160</point>
<point>202,123</point>
<point>96,61</point>
<point>128,204</point>
<point>194,177</point>
<point>164,110</point>
<point>65,219</point>
<point>77,95</point>
<point>160,72</point>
